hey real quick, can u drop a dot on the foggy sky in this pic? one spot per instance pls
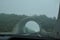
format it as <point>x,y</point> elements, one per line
<point>30,7</point>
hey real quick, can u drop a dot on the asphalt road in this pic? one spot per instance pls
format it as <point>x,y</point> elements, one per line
<point>4,38</point>
<point>23,35</point>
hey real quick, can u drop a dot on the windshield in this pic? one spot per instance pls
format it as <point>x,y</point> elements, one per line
<point>28,16</point>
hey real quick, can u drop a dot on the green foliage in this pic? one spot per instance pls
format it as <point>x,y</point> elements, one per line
<point>8,21</point>
<point>47,23</point>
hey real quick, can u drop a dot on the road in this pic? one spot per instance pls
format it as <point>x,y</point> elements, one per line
<point>31,35</point>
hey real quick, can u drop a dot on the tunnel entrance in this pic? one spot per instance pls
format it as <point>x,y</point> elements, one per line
<point>22,23</point>
<point>31,27</point>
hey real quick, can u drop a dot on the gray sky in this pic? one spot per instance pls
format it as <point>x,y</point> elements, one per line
<point>30,7</point>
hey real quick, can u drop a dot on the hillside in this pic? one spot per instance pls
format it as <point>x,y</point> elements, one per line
<point>9,21</point>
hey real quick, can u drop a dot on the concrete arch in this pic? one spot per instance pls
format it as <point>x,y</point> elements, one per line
<point>22,23</point>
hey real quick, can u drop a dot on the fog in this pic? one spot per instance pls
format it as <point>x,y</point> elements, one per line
<point>32,25</point>
<point>30,7</point>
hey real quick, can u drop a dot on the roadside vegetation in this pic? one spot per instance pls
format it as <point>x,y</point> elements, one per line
<point>8,22</point>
